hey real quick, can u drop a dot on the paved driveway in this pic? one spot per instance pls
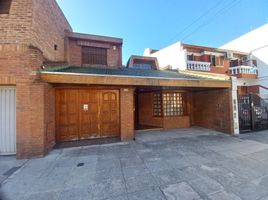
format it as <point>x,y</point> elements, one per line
<point>179,164</point>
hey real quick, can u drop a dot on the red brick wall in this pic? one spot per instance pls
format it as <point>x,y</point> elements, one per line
<point>212,109</point>
<point>49,117</point>
<point>221,69</point>
<point>75,53</point>
<point>146,115</point>
<point>16,27</point>
<point>114,57</point>
<point>243,90</point>
<point>254,76</point>
<point>21,62</point>
<point>37,23</point>
<point>49,25</point>
<point>176,122</point>
<point>145,111</point>
<point>27,38</point>
<point>127,113</point>
<point>255,89</point>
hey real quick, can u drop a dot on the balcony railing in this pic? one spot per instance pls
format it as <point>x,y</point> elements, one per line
<point>243,69</point>
<point>197,65</point>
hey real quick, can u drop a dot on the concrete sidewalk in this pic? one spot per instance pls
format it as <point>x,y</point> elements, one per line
<point>8,166</point>
<point>176,164</point>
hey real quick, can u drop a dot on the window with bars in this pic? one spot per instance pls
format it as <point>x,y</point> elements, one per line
<point>169,104</point>
<point>94,56</point>
<point>157,105</point>
<point>5,6</point>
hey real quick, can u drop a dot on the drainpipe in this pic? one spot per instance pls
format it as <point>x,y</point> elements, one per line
<point>235,118</point>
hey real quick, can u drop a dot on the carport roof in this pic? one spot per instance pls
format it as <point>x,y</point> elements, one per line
<point>122,71</point>
<point>126,76</point>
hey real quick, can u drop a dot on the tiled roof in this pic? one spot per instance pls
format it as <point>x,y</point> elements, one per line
<point>123,72</point>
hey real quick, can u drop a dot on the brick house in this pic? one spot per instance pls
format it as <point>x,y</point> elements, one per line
<point>57,86</point>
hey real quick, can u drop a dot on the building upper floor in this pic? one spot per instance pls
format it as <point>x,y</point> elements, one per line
<point>93,50</point>
<point>42,25</point>
<point>199,58</point>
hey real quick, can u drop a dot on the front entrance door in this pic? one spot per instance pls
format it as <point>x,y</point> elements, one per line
<point>86,113</point>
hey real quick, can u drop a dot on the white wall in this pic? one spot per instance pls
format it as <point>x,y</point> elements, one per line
<point>246,81</point>
<point>255,42</point>
<point>173,56</point>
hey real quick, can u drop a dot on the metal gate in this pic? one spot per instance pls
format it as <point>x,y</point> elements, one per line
<point>253,113</point>
<point>7,120</point>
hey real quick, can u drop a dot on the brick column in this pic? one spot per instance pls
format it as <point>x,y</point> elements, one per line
<point>127,113</point>
<point>30,119</point>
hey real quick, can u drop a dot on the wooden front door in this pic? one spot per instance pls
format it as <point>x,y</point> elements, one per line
<point>86,113</point>
<point>109,123</point>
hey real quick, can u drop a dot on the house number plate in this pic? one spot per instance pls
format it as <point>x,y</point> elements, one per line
<point>85,107</point>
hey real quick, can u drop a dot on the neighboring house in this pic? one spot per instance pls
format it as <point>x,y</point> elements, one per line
<point>255,43</point>
<point>57,86</point>
<point>206,60</point>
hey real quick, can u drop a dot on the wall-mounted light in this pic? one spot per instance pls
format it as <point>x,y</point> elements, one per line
<point>114,47</point>
<point>55,47</point>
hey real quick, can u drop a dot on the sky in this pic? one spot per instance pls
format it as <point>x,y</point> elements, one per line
<point>158,23</point>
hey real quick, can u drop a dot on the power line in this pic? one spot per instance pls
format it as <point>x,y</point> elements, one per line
<point>198,19</point>
<point>230,5</point>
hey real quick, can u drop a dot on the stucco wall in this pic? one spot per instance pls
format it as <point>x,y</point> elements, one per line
<point>172,56</point>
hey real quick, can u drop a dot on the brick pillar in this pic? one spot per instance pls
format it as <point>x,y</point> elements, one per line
<point>30,120</point>
<point>127,113</point>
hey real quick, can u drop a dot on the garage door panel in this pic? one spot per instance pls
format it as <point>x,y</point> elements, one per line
<point>93,108</point>
<point>114,106</point>
<point>114,118</point>
<point>72,108</point>
<point>88,105</point>
<point>63,120</point>
<point>72,118</point>
<point>63,108</point>
<point>105,107</point>
<point>67,125</point>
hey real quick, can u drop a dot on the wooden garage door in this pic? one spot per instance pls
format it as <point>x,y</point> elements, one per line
<point>86,113</point>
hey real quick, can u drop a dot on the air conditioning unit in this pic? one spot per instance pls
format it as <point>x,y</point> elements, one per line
<point>245,58</point>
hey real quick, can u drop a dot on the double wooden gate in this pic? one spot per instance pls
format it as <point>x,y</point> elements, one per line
<point>86,113</point>
<point>253,113</point>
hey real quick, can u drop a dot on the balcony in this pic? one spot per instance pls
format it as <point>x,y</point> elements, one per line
<point>244,71</point>
<point>198,65</point>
